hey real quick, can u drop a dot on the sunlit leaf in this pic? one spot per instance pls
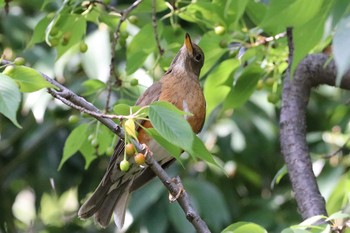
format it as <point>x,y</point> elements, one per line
<point>218,83</point>
<point>28,79</point>
<point>39,30</point>
<point>312,220</point>
<point>244,227</point>
<point>339,196</point>
<point>137,51</point>
<point>10,98</point>
<point>338,215</point>
<point>202,12</point>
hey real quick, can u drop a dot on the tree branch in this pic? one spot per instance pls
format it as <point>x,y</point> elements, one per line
<point>155,27</point>
<point>79,103</point>
<point>311,72</point>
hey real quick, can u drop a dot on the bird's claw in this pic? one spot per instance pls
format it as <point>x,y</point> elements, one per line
<point>181,190</point>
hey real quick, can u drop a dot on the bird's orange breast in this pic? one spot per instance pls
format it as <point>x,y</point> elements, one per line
<point>187,95</point>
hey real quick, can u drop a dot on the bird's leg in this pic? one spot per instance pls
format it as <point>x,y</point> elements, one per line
<point>176,180</point>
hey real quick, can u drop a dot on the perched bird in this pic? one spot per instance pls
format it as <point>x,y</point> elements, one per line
<point>179,86</point>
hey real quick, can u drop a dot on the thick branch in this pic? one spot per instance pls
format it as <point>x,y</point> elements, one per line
<point>71,99</point>
<point>311,72</point>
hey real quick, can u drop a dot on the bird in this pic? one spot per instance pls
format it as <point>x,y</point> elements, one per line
<point>179,86</point>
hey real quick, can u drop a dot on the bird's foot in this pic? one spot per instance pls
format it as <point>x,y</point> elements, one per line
<point>177,181</point>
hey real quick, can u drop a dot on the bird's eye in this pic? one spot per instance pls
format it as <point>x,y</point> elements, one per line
<point>198,57</point>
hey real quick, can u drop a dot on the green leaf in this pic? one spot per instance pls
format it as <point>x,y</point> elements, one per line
<point>202,193</point>
<point>92,86</point>
<point>110,19</point>
<point>336,13</point>
<point>178,221</point>
<point>244,227</point>
<point>199,150</point>
<point>218,85</point>
<point>105,139</point>
<point>73,26</point>
<point>124,109</point>
<point>313,30</point>
<point>10,98</point>
<point>141,201</point>
<point>338,215</point>
<point>171,124</point>
<point>256,12</point>
<point>39,30</point>
<point>339,195</point>
<point>206,13</point>
<point>73,143</point>
<point>290,13</point>
<point>210,43</point>
<point>310,222</point>
<point>279,175</point>
<point>146,6</point>
<point>88,152</point>
<point>28,79</point>
<point>244,87</point>
<point>137,51</point>
<point>168,146</point>
<point>340,49</point>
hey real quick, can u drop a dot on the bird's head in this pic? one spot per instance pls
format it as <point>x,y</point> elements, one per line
<point>189,59</point>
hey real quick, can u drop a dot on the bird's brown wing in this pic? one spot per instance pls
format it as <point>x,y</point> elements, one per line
<point>115,185</point>
<point>149,96</point>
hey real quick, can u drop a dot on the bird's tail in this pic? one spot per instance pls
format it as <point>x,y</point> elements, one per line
<point>106,200</point>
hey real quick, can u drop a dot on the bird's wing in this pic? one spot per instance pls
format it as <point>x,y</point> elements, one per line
<point>149,96</point>
<point>115,184</point>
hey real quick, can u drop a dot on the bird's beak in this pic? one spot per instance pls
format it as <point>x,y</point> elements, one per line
<point>188,44</point>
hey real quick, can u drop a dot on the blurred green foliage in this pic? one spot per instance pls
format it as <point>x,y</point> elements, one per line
<point>242,79</point>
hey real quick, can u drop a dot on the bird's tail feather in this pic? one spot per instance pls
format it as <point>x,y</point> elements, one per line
<point>106,200</point>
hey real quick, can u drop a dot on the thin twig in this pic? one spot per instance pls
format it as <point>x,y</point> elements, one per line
<point>290,47</point>
<point>60,96</point>
<point>334,153</point>
<point>264,40</point>
<point>155,27</point>
<point>116,35</point>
